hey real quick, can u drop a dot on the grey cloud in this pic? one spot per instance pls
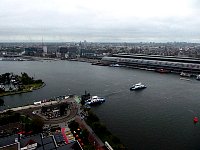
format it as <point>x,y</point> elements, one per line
<point>22,21</point>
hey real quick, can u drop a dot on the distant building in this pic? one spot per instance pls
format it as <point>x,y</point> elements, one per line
<point>87,53</point>
<point>174,64</point>
<point>67,52</point>
<point>34,51</point>
<point>30,51</point>
<point>44,50</point>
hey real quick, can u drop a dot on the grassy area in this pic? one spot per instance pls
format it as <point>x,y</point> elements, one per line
<point>34,86</point>
<point>27,88</point>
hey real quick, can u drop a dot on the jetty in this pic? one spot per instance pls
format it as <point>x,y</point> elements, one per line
<point>33,106</point>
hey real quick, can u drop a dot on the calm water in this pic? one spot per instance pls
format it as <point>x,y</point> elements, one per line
<point>158,117</point>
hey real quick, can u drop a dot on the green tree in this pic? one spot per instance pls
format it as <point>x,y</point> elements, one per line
<point>85,133</point>
<point>89,147</point>
<point>73,125</point>
<point>1,102</point>
<point>9,117</point>
<point>37,125</point>
<point>92,117</point>
<point>39,81</point>
<point>9,112</point>
<point>99,128</point>
<point>84,136</point>
<point>2,90</point>
<point>25,79</point>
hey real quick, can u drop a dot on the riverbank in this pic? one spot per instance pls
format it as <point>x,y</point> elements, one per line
<point>102,132</point>
<point>98,133</point>
<point>28,88</point>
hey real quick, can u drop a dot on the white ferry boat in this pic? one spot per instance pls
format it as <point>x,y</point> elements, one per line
<point>138,86</point>
<point>95,100</point>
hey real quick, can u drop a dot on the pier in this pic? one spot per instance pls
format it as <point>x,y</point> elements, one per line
<point>34,110</point>
<point>31,106</point>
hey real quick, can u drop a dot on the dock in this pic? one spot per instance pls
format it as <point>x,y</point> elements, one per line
<point>29,106</point>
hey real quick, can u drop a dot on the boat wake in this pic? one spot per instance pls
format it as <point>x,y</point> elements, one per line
<point>191,111</point>
<point>114,93</point>
<point>186,79</point>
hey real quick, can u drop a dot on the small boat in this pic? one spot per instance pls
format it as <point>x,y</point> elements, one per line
<point>161,70</point>
<point>137,86</point>
<point>198,77</point>
<point>150,69</point>
<point>195,119</point>
<point>96,63</point>
<point>183,74</point>
<point>115,65</point>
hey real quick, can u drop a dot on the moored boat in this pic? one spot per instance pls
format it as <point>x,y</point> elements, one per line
<point>95,100</point>
<point>161,70</point>
<point>183,74</point>
<point>96,63</point>
<point>198,77</point>
<point>114,65</point>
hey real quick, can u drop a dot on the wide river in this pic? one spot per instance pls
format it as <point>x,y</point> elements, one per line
<point>159,117</point>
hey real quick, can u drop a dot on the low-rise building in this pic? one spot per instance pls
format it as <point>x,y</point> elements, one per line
<point>37,141</point>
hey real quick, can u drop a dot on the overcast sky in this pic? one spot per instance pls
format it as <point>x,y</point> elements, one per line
<point>100,20</point>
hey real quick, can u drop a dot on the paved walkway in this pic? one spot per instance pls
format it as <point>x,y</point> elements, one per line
<point>30,106</point>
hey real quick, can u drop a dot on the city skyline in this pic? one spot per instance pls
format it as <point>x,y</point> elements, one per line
<point>99,21</point>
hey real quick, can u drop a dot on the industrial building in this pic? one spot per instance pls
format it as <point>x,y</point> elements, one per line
<point>155,62</point>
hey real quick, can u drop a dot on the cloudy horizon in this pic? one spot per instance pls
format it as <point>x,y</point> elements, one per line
<point>99,20</point>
